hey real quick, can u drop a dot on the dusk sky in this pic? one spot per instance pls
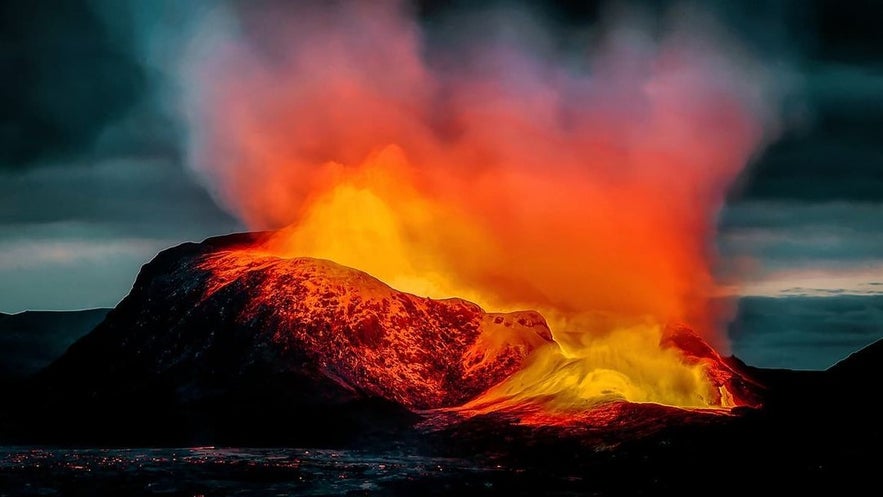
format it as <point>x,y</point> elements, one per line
<point>94,175</point>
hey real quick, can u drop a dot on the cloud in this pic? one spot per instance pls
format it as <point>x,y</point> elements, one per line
<point>831,151</point>
<point>73,236</point>
<point>30,253</point>
<point>783,213</point>
<point>126,195</point>
<point>810,282</point>
<point>64,80</point>
<point>798,247</point>
<point>70,274</point>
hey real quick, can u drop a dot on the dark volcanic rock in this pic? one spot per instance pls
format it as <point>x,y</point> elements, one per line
<point>218,343</point>
<point>858,365</point>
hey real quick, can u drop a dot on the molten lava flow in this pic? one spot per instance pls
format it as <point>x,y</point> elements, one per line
<point>510,179</point>
<point>576,379</point>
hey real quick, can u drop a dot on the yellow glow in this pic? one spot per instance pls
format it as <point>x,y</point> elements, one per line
<point>626,364</point>
<point>373,219</point>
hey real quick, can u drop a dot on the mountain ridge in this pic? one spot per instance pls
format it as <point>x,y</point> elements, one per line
<point>191,356</point>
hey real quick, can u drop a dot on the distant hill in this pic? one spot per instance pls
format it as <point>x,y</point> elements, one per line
<point>30,340</point>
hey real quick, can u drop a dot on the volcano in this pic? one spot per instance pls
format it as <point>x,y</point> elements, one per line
<point>219,341</point>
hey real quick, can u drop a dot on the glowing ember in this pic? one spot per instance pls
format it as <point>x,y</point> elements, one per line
<point>513,182</point>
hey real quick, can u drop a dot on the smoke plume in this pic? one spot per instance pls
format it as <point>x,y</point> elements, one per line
<point>486,158</point>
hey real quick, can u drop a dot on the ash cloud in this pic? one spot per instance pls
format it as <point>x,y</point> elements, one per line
<point>600,155</point>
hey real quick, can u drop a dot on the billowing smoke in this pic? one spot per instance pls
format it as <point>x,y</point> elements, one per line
<point>488,160</point>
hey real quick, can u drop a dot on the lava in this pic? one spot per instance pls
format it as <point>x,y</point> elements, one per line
<point>498,174</point>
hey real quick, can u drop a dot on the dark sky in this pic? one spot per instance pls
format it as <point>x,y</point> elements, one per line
<point>93,178</point>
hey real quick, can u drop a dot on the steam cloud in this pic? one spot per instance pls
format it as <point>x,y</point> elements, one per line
<point>577,180</point>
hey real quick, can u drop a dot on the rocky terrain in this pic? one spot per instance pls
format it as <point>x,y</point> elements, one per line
<point>217,344</point>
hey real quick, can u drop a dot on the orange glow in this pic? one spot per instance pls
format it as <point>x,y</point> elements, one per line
<point>513,182</point>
